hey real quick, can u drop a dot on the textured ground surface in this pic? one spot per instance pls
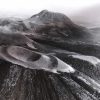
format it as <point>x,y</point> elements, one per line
<point>48,57</point>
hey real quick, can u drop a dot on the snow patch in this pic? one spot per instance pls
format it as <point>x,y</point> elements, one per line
<point>93,60</point>
<point>63,67</point>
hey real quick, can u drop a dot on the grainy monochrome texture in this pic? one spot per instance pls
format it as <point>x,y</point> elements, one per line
<point>48,57</point>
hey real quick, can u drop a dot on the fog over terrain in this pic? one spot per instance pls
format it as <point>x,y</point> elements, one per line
<point>89,17</point>
<point>84,12</point>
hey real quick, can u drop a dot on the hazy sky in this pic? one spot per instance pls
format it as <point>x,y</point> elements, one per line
<point>22,8</point>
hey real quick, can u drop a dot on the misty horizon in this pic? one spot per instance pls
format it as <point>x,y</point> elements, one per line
<point>85,13</point>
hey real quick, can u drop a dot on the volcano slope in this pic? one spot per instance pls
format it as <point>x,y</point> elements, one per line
<point>48,57</point>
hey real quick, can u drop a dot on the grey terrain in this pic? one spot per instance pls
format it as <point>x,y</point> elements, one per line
<point>48,57</point>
